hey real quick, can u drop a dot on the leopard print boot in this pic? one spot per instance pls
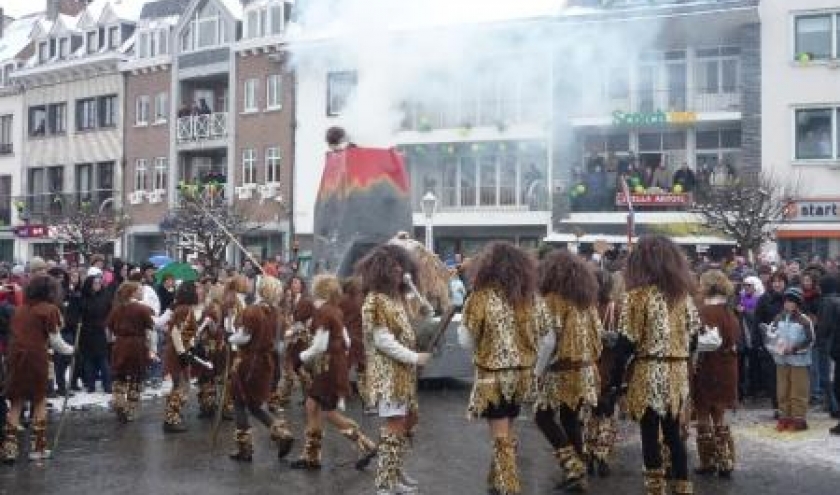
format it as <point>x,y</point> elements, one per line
<point>725,451</point>
<point>574,479</point>
<point>10,450</point>
<point>282,437</point>
<point>119,392</point>
<point>310,458</point>
<point>504,476</point>
<point>244,445</point>
<point>365,446</point>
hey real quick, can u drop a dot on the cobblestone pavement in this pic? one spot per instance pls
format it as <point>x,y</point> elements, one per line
<point>98,456</point>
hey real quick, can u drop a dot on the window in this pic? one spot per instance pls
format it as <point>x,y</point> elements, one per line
<point>108,111</point>
<point>716,70</point>
<point>250,95</point>
<point>143,45</point>
<point>90,42</point>
<point>207,25</point>
<point>276,15</point>
<point>265,20</point>
<point>274,91</point>
<point>813,134</point>
<point>249,166</point>
<point>63,48</point>
<point>5,134</point>
<point>161,104</point>
<point>813,36</point>
<point>38,120</point>
<point>141,110</point>
<point>114,37</point>
<point>105,176</point>
<point>272,165</point>
<point>160,173</point>
<point>84,178</point>
<point>43,51</point>
<point>340,86</point>
<point>140,174</point>
<point>160,42</point>
<point>57,118</point>
<point>86,114</point>
<point>252,24</point>
<point>6,200</point>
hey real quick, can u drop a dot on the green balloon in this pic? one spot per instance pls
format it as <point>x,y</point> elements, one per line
<point>580,189</point>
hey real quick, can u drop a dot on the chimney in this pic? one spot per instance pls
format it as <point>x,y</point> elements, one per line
<point>52,9</point>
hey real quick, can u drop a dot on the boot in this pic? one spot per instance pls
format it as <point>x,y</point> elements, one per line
<point>227,407</point>
<point>310,458</point>
<point>206,399</point>
<point>655,482</point>
<point>706,452</point>
<point>119,392</point>
<point>683,487</point>
<point>282,437</point>
<point>574,469</point>
<point>605,440</point>
<point>725,450</point>
<point>365,446</point>
<point>666,458</point>
<point>404,479</point>
<point>504,477</point>
<point>10,449</point>
<point>274,401</point>
<point>284,390</point>
<point>133,396</point>
<point>244,445</point>
<point>388,470</point>
<point>173,421</point>
<point>38,450</point>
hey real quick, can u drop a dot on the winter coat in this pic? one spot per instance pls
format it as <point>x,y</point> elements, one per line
<point>828,326</point>
<point>716,374</point>
<point>28,360</point>
<point>94,312</point>
<point>795,331</point>
<point>769,306</point>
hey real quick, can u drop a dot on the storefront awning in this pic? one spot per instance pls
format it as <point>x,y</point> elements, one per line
<point>826,230</point>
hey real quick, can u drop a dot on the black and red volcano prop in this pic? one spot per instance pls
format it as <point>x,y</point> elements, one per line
<point>364,199</point>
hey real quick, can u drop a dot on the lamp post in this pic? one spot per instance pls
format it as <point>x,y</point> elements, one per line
<point>429,205</point>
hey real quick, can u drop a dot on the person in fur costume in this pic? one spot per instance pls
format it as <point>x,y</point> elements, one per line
<point>252,378</point>
<point>180,343</point>
<point>211,345</point>
<point>567,368</point>
<point>35,328</point>
<point>351,302</point>
<point>392,359</point>
<point>297,338</point>
<point>132,326</point>
<point>233,304</point>
<point>327,362</point>
<point>501,321</point>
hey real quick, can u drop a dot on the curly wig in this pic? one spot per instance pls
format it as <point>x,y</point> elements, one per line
<point>326,287</point>
<point>270,290</point>
<point>715,283</point>
<point>257,320</point>
<point>383,268</point>
<point>657,261</point>
<point>42,288</point>
<point>569,277</point>
<point>186,294</point>
<point>508,268</point>
<point>126,292</point>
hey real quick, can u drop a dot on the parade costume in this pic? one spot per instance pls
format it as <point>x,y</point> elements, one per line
<point>211,345</point>
<point>326,360</point>
<point>132,326</point>
<point>233,306</point>
<point>715,386</point>
<point>659,334</point>
<point>35,328</point>
<point>297,339</point>
<point>253,375</point>
<point>180,340</point>
<point>351,310</point>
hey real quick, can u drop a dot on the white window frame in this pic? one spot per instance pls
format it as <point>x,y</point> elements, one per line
<point>113,36</point>
<point>835,147</point>
<point>249,166</point>
<point>92,41</point>
<point>274,92</point>
<point>249,95</point>
<point>160,173</point>
<point>143,48</point>
<point>141,110</point>
<point>161,107</point>
<point>273,165</point>
<point>63,47</point>
<point>271,29</point>
<point>140,174</point>
<point>162,37</point>
<point>833,17</point>
<point>43,51</point>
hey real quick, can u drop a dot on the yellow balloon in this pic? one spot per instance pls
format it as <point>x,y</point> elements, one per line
<point>639,190</point>
<point>678,188</point>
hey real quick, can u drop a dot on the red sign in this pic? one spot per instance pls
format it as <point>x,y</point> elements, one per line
<point>31,231</point>
<point>660,199</point>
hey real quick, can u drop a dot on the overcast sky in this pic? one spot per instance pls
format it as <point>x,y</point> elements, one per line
<point>17,8</point>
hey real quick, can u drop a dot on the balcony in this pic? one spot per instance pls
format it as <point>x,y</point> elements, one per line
<point>649,102</point>
<point>490,199</point>
<point>49,207</point>
<point>197,129</point>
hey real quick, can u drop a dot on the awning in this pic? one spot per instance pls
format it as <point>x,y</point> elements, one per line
<point>822,230</point>
<point>622,239</point>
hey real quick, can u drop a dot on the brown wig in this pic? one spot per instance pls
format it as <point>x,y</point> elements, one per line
<point>383,268</point>
<point>126,292</point>
<point>715,283</point>
<point>508,268</point>
<point>569,277</point>
<point>186,294</point>
<point>326,287</point>
<point>42,288</point>
<point>657,261</point>
<point>258,321</point>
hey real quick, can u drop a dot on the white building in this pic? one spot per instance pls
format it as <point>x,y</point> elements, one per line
<point>801,119</point>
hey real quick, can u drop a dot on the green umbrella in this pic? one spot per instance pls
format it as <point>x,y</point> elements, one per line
<point>181,271</point>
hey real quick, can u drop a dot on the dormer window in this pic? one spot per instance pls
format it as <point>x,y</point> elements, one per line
<point>143,45</point>
<point>114,37</point>
<point>63,48</point>
<point>264,20</point>
<point>43,51</point>
<point>91,45</point>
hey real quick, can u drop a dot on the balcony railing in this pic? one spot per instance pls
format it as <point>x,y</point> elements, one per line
<point>45,207</point>
<point>202,127</point>
<point>666,100</point>
<point>490,199</point>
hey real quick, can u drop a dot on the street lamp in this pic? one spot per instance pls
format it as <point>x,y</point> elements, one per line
<point>429,205</point>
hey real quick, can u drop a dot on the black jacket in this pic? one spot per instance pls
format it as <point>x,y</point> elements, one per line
<point>828,318</point>
<point>94,311</point>
<point>769,305</point>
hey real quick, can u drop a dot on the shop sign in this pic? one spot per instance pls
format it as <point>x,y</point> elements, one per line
<point>31,231</point>
<point>664,199</point>
<point>814,211</point>
<point>659,117</point>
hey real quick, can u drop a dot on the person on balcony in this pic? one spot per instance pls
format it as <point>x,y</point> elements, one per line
<point>203,108</point>
<point>684,177</point>
<point>658,178</point>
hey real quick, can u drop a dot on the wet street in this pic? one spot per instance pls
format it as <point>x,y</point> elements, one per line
<point>98,456</point>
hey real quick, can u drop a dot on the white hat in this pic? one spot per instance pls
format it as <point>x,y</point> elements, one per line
<point>94,272</point>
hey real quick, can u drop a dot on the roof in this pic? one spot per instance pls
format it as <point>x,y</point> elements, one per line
<point>127,10</point>
<point>163,8</point>
<point>233,6</point>
<point>16,36</point>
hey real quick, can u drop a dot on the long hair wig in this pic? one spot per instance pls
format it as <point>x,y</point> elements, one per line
<point>657,261</point>
<point>382,270</point>
<point>569,277</point>
<point>509,269</point>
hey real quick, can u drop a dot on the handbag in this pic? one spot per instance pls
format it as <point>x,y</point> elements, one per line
<point>709,340</point>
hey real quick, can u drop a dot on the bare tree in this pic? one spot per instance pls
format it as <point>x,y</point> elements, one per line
<point>204,222</point>
<point>745,209</point>
<point>87,227</point>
